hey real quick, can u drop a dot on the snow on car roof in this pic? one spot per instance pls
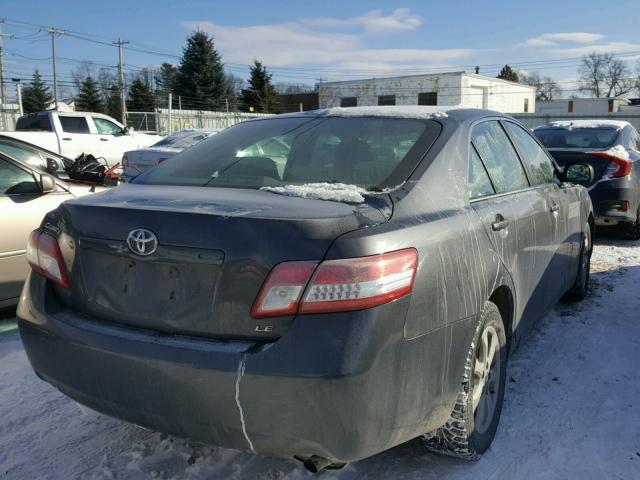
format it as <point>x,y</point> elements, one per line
<point>404,111</point>
<point>595,123</point>
<point>400,111</point>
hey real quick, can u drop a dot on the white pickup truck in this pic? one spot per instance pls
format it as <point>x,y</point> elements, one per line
<point>73,133</point>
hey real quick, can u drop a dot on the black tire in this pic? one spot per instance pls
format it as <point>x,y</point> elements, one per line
<point>466,435</point>
<point>631,230</point>
<point>580,287</point>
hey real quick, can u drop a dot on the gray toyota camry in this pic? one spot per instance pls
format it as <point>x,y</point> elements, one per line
<point>322,285</point>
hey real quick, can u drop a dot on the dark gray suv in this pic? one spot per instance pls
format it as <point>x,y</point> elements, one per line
<point>322,286</point>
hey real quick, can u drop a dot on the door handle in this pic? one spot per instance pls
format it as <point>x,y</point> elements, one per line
<point>104,139</point>
<point>67,139</point>
<point>500,224</point>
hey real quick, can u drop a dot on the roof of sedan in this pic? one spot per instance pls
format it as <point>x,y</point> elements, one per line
<point>398,111</point>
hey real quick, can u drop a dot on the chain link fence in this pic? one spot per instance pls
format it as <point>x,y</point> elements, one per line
<point>164,121</point>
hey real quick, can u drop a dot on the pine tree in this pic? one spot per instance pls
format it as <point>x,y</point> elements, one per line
<point>166,79</point>
<point>89,98</point>
<point>508,73</point>
<point>261,94</point>
<point>36,97</point>
<point>141,97</point>
<point>113,105</point>
<point>200,79</point>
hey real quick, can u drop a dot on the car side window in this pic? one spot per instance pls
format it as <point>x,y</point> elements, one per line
<point>634,139</point>
<point>499,157</point>
<point>15,181</point>
<point>23,153</point>
<point>73,124</point>
<point>106,127</point>
<point>479,183</point>
<point>535,157</point>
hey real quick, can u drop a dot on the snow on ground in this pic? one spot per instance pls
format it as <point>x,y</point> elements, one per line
<point>572,410</point>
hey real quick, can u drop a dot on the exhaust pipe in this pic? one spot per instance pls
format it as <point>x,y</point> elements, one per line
<point>316,463</point>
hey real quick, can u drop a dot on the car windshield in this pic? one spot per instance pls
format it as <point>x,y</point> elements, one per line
<point>373,153</point>
<point>577,137</point>
<point>182,140</point>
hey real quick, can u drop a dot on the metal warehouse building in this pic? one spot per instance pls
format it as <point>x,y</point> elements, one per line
<point>444,89</point>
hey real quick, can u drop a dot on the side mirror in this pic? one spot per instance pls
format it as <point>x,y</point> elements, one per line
<point>127,130</point>
<point>52,165</point>
<point>579,173</point>
<point>47,183</point>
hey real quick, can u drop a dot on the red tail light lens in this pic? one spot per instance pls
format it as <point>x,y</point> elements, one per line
<point>282,290</point>
<point>45,258</point>
<point>337,285</point>
<point>622,167</point>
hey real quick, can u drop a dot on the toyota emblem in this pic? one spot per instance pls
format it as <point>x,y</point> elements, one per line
<point>142,242</point>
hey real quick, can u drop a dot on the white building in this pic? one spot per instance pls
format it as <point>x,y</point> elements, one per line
<point>462,89</point>
<point>582,106</point>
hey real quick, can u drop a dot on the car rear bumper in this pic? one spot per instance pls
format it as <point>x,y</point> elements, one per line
<point>337,387</point>
<point>608,197</point>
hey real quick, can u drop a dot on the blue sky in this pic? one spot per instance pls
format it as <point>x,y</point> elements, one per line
<point>302,41</point>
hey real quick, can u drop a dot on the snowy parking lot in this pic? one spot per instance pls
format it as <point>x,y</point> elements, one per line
<point>572,409</point>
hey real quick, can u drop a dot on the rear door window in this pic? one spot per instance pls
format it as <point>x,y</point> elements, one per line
<point>540,166</point>
<point>499,157</point>
<point>634,139</point>
<point>479,182</point>
<point>73,124</point>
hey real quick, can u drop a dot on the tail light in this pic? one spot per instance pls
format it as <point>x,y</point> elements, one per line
<point>337,285</point>
<point>621,166</point>
<point>45,258</point>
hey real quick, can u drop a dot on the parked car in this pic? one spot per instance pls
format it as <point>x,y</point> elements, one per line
<point>368,295</point>
<point>137,161</point>
<point>72,133</point>
<point>34,156</point>
<point>612,148</point>
<point>27,193</point>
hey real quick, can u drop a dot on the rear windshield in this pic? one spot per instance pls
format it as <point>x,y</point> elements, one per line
<point>374,153</point>
<point>182,140</point>
<point>35,122</point>
<point>576,137</point>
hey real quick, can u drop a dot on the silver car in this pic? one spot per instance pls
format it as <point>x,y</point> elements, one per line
<point>26,194</point>
<point>137,161</point>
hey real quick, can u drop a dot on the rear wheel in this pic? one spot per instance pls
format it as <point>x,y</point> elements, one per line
<point>475,416</point>
<point>581,285</point>
<point>631,230</point>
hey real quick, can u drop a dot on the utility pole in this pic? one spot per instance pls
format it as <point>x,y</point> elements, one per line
<point>123,103</point>
<point>54,33</point>
<point>18,95</point>
<point>3,97</point>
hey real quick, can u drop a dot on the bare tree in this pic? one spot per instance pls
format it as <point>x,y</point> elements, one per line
<point>604,75</point>
<point>546,87</point>
<point>84,70</point>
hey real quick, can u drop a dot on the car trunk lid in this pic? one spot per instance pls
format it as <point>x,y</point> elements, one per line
<point>215,248</point>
